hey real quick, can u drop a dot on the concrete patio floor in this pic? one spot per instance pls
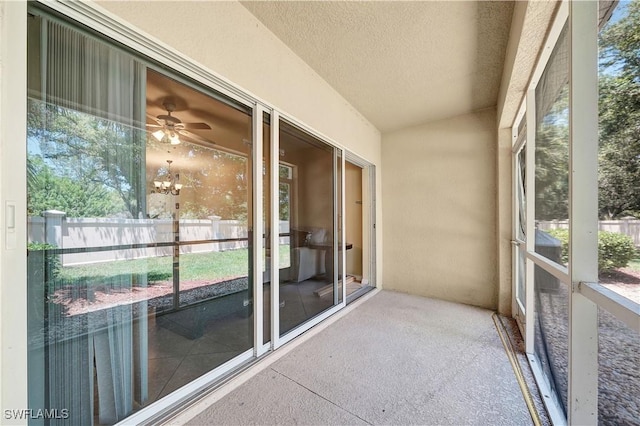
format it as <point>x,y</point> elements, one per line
<point>390,359</point>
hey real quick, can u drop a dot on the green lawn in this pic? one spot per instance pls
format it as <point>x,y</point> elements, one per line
<point>193,266</point>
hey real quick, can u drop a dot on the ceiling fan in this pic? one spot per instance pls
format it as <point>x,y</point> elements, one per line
<point>171,127</point>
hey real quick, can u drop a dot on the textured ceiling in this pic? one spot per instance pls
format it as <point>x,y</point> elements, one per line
<point>399,63</point>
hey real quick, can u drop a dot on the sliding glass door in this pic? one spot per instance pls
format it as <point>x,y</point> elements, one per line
<point>208,220</point>
<point>140,221</point>
<point>308,203</point>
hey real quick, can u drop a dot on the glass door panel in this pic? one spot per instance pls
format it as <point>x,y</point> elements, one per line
<point>139,219</point>
<point>266,223</point>
<point>359,214</point>
<point>211,214</point>
<point>285,210</point>
<point>340,277</point>
<point>307,212</point>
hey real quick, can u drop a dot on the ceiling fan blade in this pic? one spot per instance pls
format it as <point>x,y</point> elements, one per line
<point>154,126</point>
<point>197,126</point>
<point>196,138</point>
<point>151,117</point>
<point>169,119</point>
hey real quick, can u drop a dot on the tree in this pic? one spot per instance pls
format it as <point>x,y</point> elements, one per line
<point>619,118</point>
<point>217,186</point>
<point>76,198</point>
<point>88,149</point>
<point>284,191</point>
<point>552,161</point>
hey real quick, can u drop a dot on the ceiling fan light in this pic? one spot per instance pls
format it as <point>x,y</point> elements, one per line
<point>175,140</point>
<point>158,134</point>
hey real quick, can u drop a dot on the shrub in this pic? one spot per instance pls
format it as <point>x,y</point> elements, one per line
<point>614,250</point>
<point>37,257</point>
<point>563,236</point>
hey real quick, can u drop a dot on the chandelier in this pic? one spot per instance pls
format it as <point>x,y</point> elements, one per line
<point>167,182</point>
<point>168,134</point>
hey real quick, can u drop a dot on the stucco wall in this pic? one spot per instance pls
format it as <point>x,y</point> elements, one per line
<point>504,225</point>
<point>439,197</point>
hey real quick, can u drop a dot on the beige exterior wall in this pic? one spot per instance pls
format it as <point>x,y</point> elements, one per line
<point>439,197</point>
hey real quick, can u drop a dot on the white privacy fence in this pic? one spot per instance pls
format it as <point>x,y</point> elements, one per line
<point>91,240</point>
<point>630,227</point>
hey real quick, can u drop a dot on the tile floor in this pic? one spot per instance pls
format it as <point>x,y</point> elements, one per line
<point>182,348</point>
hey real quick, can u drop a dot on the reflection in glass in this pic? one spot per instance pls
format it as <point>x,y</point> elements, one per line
<point>132,292</point>
<point>357,282</point>
<point>342,279</point>
<point>618,372</point>
<point>552,149</point>
<point>551,332</point>
<point>266,221</point>
<point>307,189</point>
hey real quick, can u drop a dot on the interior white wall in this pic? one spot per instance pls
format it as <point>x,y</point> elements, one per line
<point>439,196</point>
